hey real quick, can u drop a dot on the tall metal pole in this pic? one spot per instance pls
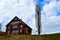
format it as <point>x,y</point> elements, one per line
<point>38,18</point>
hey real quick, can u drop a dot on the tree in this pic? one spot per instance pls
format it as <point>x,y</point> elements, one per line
<point>0,26</point>
<point>38,18</point>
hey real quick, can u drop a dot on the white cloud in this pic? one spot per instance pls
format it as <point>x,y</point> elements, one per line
<point>24,9</point>
<point>50,17</point>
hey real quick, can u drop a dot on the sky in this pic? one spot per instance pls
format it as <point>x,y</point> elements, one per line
<point>25,10</point>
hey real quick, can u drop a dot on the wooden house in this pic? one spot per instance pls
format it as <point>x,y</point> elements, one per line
<point>17,26</point>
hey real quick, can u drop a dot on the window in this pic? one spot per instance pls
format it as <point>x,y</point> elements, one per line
<point>14,31</point>
<point>15,26</point>
<point>21,25</point>
<point>26,30</point>
<point>20,30</point>
<point>14,23</point>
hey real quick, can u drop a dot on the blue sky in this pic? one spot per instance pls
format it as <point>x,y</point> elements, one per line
<point>25,9</point>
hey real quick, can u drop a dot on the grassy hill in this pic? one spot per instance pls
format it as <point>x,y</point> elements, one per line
<point>2,33</point>
<point>31,37</point>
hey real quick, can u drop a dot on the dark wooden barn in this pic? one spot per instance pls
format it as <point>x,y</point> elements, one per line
<point>17,26</point>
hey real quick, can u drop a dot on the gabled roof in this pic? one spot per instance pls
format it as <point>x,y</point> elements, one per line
<point>18,20</point>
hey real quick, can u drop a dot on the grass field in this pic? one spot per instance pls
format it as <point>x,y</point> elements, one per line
<point>31,37</point>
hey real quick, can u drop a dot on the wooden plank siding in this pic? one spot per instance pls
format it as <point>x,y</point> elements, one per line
<point>17,26</point>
